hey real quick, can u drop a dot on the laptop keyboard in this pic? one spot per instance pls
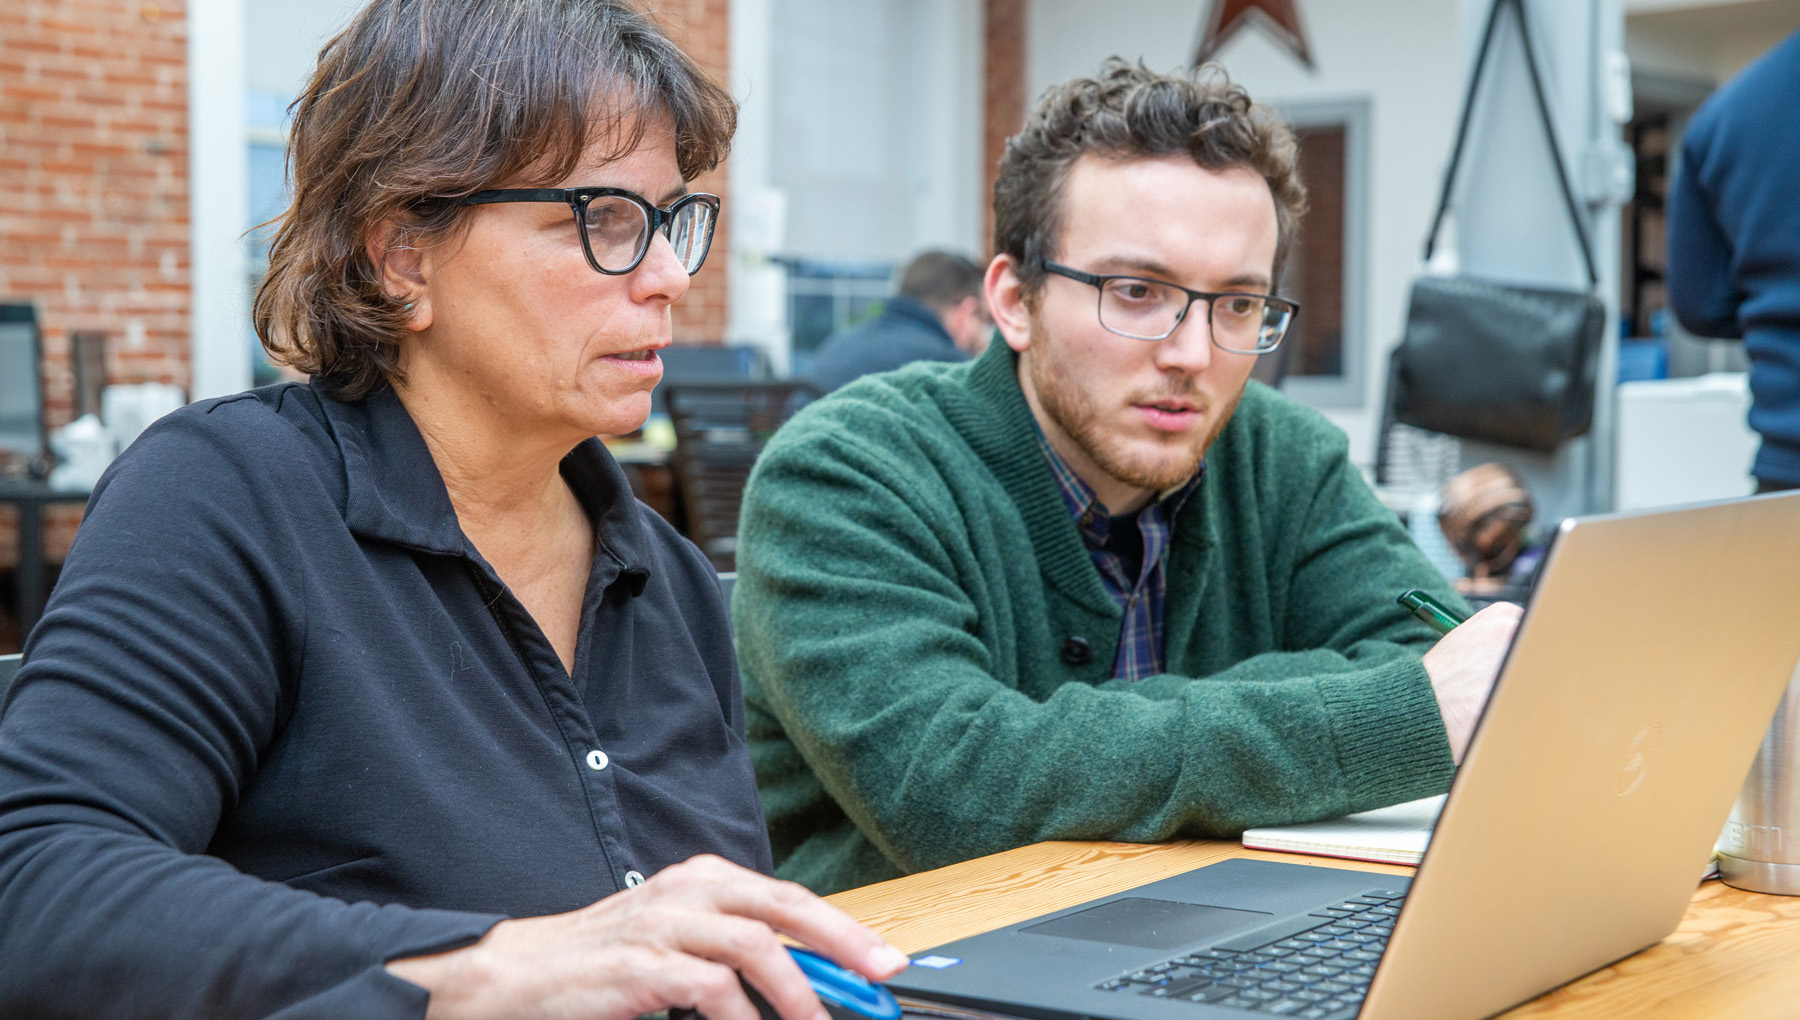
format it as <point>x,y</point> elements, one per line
<point>1320,967</point>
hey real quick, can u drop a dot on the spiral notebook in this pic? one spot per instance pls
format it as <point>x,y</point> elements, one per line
<point>1389,835</point>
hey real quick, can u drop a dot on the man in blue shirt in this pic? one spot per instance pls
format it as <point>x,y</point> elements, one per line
<point>1734,244</point>
<point>938,315</point>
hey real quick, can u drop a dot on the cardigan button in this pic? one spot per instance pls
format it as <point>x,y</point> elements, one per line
<point>1077,652</point>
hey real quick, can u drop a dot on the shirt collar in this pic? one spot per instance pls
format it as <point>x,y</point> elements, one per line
<point>394,492</point>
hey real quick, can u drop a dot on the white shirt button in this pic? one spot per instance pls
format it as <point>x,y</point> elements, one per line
<point>597,759</point>
<point>633,879</point>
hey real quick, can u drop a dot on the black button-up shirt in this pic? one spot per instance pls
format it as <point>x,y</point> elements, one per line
<point>281,723</point>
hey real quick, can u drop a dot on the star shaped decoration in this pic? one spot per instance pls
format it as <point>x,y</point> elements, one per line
<point>1279,18</point>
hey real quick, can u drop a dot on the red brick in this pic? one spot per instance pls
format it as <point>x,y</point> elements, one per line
<point>96,151</point>
<point>67,122</point>
<point>33,45</point>
<point>61,73</point>
<point>27,94</point>
<point>116,79</point>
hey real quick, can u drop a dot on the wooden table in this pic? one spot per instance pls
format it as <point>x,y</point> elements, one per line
<point>1735,954</point>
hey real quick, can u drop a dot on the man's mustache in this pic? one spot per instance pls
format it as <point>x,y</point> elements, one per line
<point>1176,390</point>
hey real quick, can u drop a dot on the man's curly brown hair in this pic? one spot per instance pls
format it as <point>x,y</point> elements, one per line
<point>1128,111</point>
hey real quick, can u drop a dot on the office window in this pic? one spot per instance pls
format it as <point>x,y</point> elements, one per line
<point>1315,272</point>
<point>1325,270</point>
<point>826,295</point>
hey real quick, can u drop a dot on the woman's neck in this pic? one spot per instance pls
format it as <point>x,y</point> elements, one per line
<point>512,504</point>
<point>502,478</point>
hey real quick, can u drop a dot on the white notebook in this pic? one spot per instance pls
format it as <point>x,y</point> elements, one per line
<point>1389,835</point>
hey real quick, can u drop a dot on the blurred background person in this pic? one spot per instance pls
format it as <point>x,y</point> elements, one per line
<point>938,315</point>
<point>1734,244</point>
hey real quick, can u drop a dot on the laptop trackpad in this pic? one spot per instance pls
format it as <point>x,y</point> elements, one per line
<point>1151,924</point>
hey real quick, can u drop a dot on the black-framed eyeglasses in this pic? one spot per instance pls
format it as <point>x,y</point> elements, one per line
<point>1145,309</point>
<point>616,225</point>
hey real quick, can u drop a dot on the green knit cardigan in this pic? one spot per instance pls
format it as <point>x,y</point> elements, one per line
<point>909,582</point>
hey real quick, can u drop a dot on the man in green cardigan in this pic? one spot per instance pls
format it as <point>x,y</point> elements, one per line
<point>1095,584</point>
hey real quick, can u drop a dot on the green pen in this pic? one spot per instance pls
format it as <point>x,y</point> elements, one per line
<point>1435,614</point>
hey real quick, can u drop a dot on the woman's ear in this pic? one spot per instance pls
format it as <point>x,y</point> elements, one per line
<point>1006,302</point>
<point>401,266</point>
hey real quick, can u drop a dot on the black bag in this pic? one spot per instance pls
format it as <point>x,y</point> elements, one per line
<point>1493,361</point>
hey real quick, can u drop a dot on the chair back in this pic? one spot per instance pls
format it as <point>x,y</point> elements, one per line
<point>720,428</point>
<point>697,363</point>
<point>9,664</point>
<point>21,385</point>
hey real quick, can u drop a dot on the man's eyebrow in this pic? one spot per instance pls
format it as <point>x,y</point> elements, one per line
<point>1156,270</point>
<point>1249,281</point>
<point>1135,266</point>
<point>672,195</point>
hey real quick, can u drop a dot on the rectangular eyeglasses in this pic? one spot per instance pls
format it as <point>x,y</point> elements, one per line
<point>1145,309</point>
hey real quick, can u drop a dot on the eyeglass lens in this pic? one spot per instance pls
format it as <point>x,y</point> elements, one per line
<point>691,232</point>
<point>618,232</point>
<point>1148,310</point>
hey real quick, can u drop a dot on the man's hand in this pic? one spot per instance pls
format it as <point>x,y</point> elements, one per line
<point>680,939</point>
<point>1463,667</point>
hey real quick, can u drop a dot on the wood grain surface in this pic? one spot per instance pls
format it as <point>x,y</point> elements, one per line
<point>1735,954</point>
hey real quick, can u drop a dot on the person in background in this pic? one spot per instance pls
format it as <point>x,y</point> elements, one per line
<point>938,315</point>
<point>1734,244</point>
<point>379,696</point>
<point>1094,584</point>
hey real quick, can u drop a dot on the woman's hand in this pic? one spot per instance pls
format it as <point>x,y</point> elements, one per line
<point>680,939</point>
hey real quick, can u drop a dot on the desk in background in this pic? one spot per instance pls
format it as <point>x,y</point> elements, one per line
<point>1734,954</point>
<point>28,583</point>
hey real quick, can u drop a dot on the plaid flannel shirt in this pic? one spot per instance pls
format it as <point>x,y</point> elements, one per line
<point>1141,598</point>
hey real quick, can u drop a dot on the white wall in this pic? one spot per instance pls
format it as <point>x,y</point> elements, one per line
<point>877,108</point>
<point>859,138</point>
<point>283,37</point>
<point>1401,56</point>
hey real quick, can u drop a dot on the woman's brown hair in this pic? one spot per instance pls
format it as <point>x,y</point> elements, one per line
<point>419,103</point>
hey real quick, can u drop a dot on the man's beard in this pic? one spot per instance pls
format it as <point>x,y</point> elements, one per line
<point>1073,409</point>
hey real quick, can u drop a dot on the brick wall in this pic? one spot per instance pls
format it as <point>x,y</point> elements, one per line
<point>93,191</point>
<point>703,28</point>
<point>1004,94</point>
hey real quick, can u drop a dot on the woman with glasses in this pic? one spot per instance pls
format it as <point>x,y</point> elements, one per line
<point>379,695</point>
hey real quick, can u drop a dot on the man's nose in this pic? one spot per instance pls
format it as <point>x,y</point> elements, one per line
<point>1190,347</point>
